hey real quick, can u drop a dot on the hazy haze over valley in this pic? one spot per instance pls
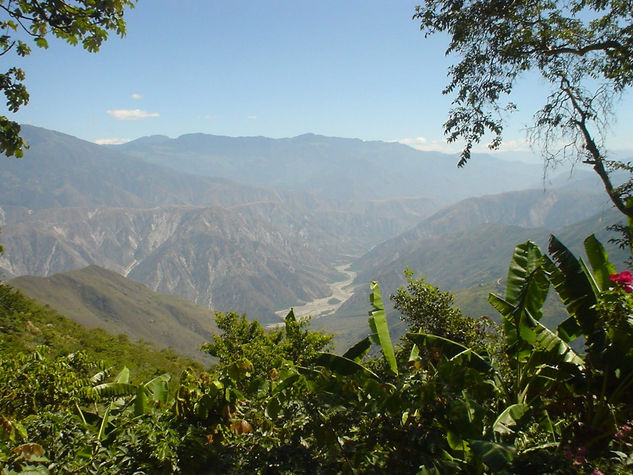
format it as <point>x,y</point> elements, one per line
<point>172,214</point>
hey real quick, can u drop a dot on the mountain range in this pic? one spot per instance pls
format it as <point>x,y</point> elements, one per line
<point>257,225</point>
<point>340,168</point>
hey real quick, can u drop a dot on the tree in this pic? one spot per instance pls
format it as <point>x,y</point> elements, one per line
<point>76,21</point>
<point>249,345</point>
<point>582,48</point>
<point>427,309</point>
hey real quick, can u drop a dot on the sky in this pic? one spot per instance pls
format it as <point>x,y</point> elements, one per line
<point>358,69</point>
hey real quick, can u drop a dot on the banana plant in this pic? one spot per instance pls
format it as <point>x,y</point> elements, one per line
<point>350,362</point>
<point>544,362</point>
<point>540,357</point>
<point>587,296</point>
<point>118,391</point>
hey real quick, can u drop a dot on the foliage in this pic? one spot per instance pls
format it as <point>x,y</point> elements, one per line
<point>246,346</point>
<point>82,21</point>
<point>581,48</point>
<point>427,309</point>
<point>277,403</point>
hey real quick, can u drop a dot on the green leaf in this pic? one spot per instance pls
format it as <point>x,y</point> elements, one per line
<point>158,388</point>
<point>471,359</point>
<point>525,269</point>
<point>203,406</point>
<point>359,350</point>
<point>456,441</point>
<point>140,402</point>
<point>341,365</point>
<point>290,318</point>
<point>573,287</point>
<point>599,261</point>
<point>378,322</point>
<point>41,42</point>
<point>415,353</point>
<point>508,418</point>
<point>272,408</point>
<point>109,390</point>
<point>590,278</point>
<point>100,376</point>
<point>526,292</point>
<point>503,307</point>
<point>450,349</point>
<point>288,382</point>
<point>498,457</point>
<point>123,376</point>
<point>549,342</point>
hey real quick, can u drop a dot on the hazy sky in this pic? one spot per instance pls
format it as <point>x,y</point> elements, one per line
<point>277,68</point>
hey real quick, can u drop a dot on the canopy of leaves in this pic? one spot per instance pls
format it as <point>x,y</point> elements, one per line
<point>275,403</point>
<point>571,43</point>
<point>427,309</point>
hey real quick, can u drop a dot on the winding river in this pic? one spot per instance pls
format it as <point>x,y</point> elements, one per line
<point>326,306</point>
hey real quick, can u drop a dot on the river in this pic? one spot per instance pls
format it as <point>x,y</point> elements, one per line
<point>326,306</point>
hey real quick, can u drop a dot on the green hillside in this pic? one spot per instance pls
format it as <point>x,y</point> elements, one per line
<point>468,262</point>
<point>96,297</point>
<point>26,324</point>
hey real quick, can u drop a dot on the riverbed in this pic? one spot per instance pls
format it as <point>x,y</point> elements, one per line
<point>326,306</point>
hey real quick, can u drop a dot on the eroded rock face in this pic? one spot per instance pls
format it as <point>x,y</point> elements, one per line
<point>70,203</point>
<point>215,257</point>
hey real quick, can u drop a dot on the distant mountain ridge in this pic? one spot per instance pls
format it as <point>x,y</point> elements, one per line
<point>551,209</point>
<point>346,169</point>
<point>469,245</point>
<point>474,232</point>
<point>310,204</point>
<point>59,170</point>
<point>69,203</point>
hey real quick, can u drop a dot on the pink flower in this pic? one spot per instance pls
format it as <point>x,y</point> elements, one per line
<point>625,279</point>
<point>624,431</point>
<point>597,472</point>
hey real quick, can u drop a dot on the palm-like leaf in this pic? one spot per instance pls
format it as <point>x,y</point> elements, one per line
<point>450,350</point>
<point>378,324</point>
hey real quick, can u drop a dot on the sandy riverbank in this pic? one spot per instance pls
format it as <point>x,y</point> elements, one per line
<point>323,307</point>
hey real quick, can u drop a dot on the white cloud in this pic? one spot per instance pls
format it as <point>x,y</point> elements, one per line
<point>136,96</point>
<point>422,143</point>
<point>131,114</point>
<point>252,117</point>
<point>112,141</point>
<point>210,117</point>
<point>413,141</point>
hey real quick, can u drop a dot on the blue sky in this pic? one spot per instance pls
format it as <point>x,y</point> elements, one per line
<point>278,69</point>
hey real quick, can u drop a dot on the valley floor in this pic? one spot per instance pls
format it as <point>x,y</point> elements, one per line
<point>323,307</point>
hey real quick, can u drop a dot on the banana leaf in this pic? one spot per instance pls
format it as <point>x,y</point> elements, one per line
<point>496,456</point>
<point>343,366</point>
<point>378,324</point>
<point>450,350</point>
<point>599,261</point>
<point>359,350</point>
<point>573,287</point>
<point>508,418</point>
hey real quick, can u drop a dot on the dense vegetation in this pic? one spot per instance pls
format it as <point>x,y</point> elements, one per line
<point>456,396</point>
